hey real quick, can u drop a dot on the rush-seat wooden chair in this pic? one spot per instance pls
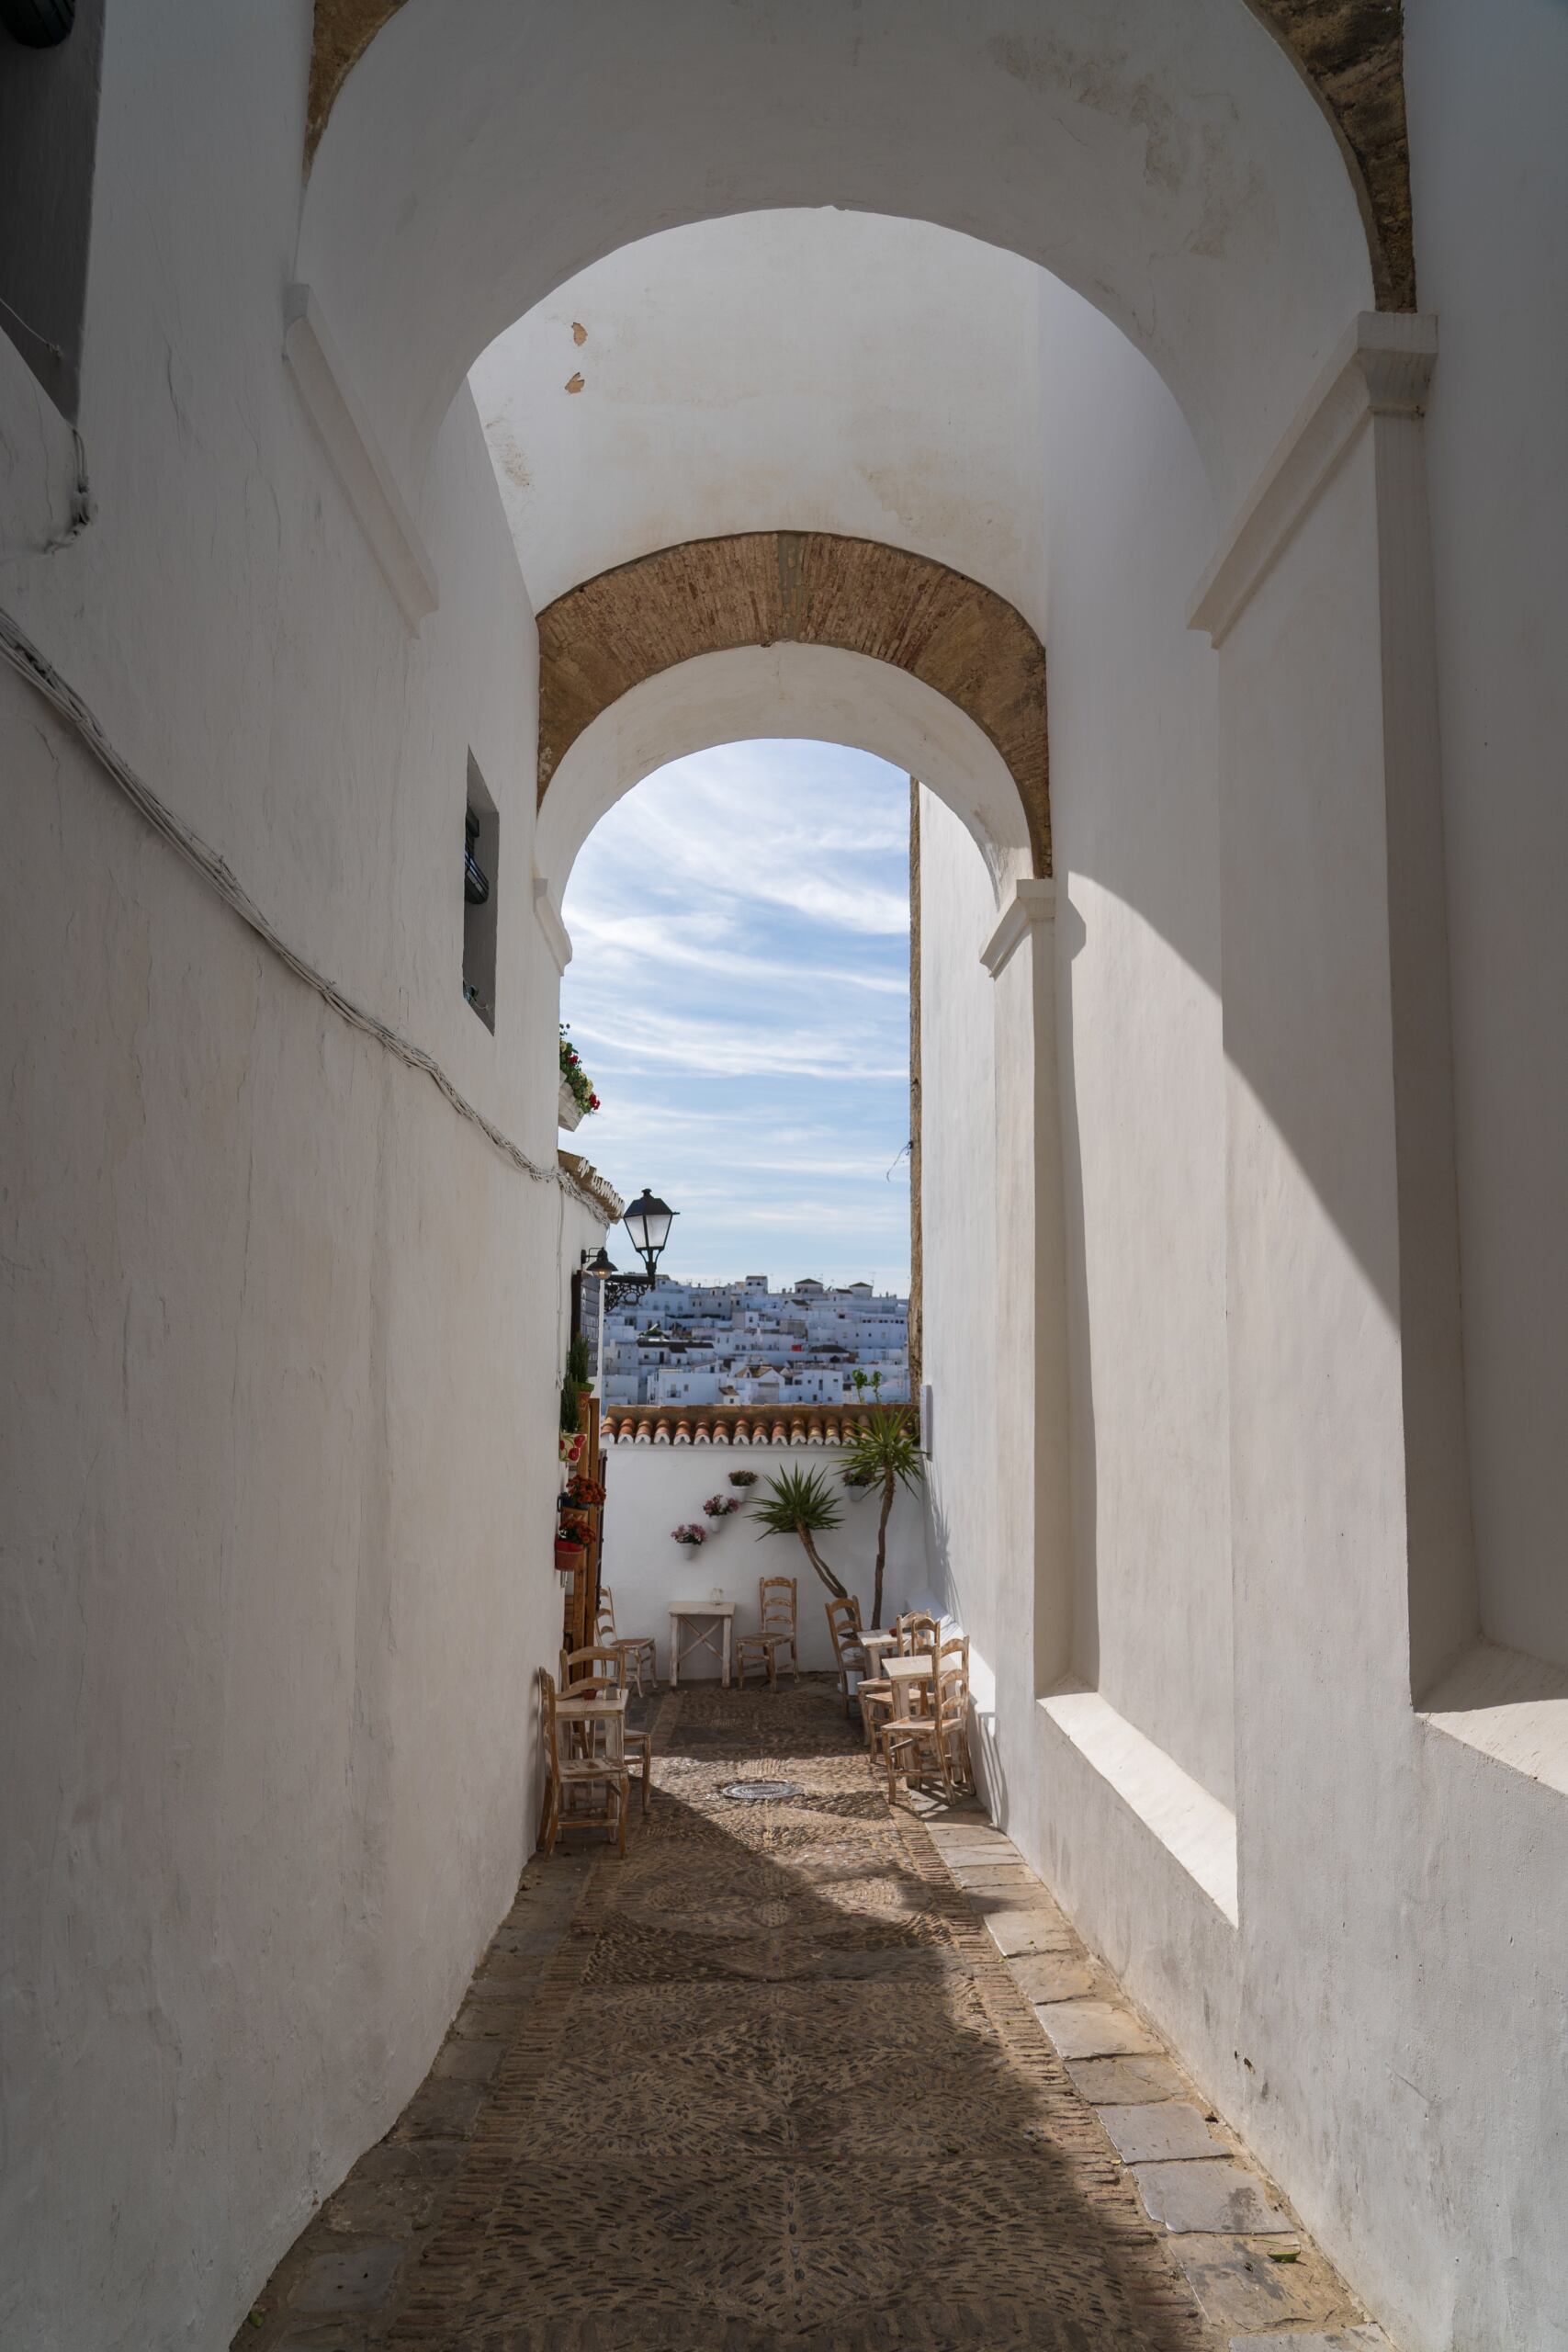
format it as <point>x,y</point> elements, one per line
<point>776,1602</point>
<point>599,1668</point>
<point>940,1732</point>
<point>565,1772</point>
<point>844,1630</point>
<point>642,1650</point>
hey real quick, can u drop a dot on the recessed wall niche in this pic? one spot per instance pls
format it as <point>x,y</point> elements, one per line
<point>481,875</point>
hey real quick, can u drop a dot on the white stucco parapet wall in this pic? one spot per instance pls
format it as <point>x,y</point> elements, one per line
<point>652,1487</point>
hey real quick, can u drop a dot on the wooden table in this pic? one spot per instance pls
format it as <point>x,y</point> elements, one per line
<point>873,1646</point>
<point>906,1675</point>
<point>716,1636</point>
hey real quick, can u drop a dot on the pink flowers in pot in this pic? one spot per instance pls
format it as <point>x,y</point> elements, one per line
<point>691,1534</point>
<point>721,1505</point>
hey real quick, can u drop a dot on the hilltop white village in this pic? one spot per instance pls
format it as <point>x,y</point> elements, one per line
<point>745,1344</point>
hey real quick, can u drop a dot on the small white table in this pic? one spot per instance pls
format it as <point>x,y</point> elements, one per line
<point>715,1621</point>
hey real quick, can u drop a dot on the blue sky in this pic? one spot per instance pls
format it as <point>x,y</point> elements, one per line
<point>739,992</point>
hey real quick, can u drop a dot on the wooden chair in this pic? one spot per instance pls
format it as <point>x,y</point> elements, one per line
<point>939,1731</point>
<point>642,1650</point>
<point>917,1631</point>
<point>776,1602</point>
<point>602,1669</point>
<point>844,1629</point>
<point>567,1771</point>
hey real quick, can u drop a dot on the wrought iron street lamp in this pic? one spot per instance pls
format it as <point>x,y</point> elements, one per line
<point>648,1221</point>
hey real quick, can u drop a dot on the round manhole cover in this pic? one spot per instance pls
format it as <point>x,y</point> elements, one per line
<point>760,1791</point>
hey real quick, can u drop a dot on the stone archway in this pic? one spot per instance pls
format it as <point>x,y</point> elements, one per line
<point>1349,53</point>
<point>607,635</point>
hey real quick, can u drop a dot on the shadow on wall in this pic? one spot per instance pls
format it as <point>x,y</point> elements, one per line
<point>1077,1645</point>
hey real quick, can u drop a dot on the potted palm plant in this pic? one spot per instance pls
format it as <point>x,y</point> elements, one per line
<point>883,1451</point>
<point>801,1503</point>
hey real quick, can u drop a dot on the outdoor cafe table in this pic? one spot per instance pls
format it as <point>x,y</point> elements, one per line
<point>906,1675</point>
<point>874,1644</point>
<point>717,1635</point>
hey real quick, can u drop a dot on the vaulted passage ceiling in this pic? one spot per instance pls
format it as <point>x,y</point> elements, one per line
<point>805,588</point>
<point>1350,53</point>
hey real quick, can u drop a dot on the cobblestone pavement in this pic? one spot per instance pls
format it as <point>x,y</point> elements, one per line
<point>807,2072</point>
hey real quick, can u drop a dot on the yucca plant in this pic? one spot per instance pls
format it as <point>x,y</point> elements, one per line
<point>802,1503</point>
<point>883,1451</point>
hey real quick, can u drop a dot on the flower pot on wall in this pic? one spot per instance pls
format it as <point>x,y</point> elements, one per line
<point>570,1114</point>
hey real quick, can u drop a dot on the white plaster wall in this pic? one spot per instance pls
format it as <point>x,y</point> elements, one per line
<point>799,370</point>
<point>1138,1035</point>
<point>284,1329</point>
<point>1383,2021</point>
<point>651,1489</point>
<point>1490,169</point>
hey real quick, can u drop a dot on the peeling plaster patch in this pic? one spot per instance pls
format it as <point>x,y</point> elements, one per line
<point>808,588</point>
<point>574,384</point>
<point>579,331</point>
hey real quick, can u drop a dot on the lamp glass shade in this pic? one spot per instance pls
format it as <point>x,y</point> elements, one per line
<point>648,1221</point>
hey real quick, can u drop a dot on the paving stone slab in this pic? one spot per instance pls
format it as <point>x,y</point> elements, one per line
<point>1014,1880</point>
<point>1162,2134</point>
<point>1094,2029</point>
<point>1217,2197</point>
<point>344,2334</point>
<point>1241,2289</point>
<point>1126,2082</point>
<point>470,2062</point>
<point>442,2108</point>
<point>1055,1975</point>
<point>488,2021</point>
<point>1013,1931</point>
<point>1343,2339</point>
<point>394,2189</point>
<point>358,2279</point>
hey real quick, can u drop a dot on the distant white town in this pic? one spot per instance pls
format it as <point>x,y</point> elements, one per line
<point>741,1343</point>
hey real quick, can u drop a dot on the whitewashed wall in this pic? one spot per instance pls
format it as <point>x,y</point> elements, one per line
<point>1316,1889</point>
<point>651,1489</point>
<point>283,1330</point>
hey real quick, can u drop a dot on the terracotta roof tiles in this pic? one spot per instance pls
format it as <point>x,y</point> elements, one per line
<point>732,1424</point>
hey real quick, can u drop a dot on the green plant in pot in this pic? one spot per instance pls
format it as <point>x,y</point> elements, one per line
<point>801,1503</point>
<point>883,1451</point>
<point>574,1387</point>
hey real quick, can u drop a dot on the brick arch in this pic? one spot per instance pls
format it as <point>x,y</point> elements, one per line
<point>600,640</point>
<point>1350,53</point>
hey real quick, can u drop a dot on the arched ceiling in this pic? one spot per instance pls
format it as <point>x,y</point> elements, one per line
<point>764,588</point>
<point>1167,162</point>
<point>802,368</point>
<point>1349,52</point>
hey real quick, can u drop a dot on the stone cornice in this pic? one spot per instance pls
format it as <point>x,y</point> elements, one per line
<point>1033,902</point>
<point>1381,368</point>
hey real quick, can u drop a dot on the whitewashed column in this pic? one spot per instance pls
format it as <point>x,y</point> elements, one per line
<point>1030,1306</point>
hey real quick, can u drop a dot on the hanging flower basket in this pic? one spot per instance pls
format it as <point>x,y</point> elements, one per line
<point>691,1534</point>
<point>721,1505</point>
<point>743,1477</point>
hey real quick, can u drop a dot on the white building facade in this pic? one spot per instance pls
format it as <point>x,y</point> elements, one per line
<point>743,1344</point>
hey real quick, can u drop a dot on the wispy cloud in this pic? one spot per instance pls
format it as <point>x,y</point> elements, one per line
<point>740,992</point>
